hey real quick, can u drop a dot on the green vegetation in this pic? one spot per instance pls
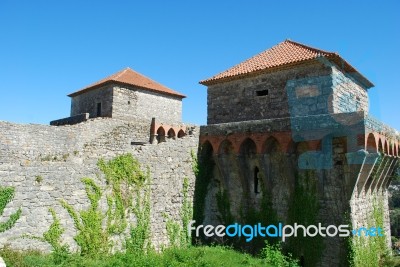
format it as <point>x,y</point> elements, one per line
<point>38,179</point>
<point>191,256</point>
<point>304,209</point>
<point>202,168</point>
<point>91,237</point>
<point>127,192</point>
<point>370,251</point>
<point>274,256</point>
<point>6,195</point>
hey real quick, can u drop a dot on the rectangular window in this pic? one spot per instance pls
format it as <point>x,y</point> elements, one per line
<point>98,109</point>
<point>262,93</point>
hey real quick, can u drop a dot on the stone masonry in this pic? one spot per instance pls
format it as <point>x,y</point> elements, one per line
<point>46,163</point>
<point>287,112</point>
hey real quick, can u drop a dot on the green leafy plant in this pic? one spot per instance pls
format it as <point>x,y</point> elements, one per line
<point>274,256</point>
<point>91,238</point>
<point>6,195</point>
<point>370,251</point>
<point>38,179</point>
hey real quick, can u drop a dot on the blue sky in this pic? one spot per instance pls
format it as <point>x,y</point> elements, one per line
<point>51,48</point>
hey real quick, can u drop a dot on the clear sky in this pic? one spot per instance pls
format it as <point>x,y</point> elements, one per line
<point>51,48</point>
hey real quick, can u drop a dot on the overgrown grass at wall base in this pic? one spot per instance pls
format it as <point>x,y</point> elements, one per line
<point>192,256</point>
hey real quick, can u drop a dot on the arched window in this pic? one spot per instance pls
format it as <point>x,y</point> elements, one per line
<point>160,135</point>
<point>171,133</point>
<point>181,133</point>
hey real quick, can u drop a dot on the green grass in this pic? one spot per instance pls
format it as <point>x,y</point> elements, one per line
<point>192,256</point>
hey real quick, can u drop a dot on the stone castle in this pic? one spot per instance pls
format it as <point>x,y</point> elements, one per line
<point>288,133</point>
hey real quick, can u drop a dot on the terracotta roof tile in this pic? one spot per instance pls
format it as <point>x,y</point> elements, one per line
<point>284,53</point>
<point>133,78</point>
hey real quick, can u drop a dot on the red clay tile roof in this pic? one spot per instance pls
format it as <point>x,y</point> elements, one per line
<point>130,77</point>
<point>283,54</point>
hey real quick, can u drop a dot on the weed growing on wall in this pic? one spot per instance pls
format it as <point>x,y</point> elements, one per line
<point>6,195</point>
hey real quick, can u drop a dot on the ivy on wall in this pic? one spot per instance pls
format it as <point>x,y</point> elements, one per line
<point>6,195</point>
<point>304,209</point>
<point>370,251</point>
<point>127,193</point>
<point>203,169</point>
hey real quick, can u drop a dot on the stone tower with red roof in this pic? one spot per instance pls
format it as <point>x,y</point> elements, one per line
<point>126,95</point>
<point>289,139</point>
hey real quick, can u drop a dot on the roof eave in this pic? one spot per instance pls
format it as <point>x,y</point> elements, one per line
<point>356,74</point>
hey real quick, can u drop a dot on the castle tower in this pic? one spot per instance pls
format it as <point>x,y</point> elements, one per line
<point>289,140</point>
<point>130,96</point>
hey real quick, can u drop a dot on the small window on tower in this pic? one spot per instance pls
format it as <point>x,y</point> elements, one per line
<point>262,93</point>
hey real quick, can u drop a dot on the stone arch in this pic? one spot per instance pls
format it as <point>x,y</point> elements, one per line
<point>171,133</point>
<point>391,152</point>
<point>248,147</point>
<point>385,146</point>
<point>370,144</point>
<point>160,134</point>
<point>397,149</point>
<point>301,147</point>
<point>206,149</point>
<point>380,146</point>
<point>231,170</point>
<point>181,133</point>
<point>225,147</point>
<point>271,145</point>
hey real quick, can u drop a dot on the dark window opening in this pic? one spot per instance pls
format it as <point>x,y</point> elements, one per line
<point>129,102</point>
<point>256,180</point>
<point>98,109</point>
<point>262,92</point>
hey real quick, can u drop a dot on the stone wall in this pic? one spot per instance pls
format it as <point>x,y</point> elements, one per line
<point>88,101</point>
<point>46,164</point>
<point>259,97</point>
<point>310,89</point>
<point>132,103</point>
<point>348,95</point>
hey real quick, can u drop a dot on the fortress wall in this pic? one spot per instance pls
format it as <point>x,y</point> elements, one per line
<point>61,156</point>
